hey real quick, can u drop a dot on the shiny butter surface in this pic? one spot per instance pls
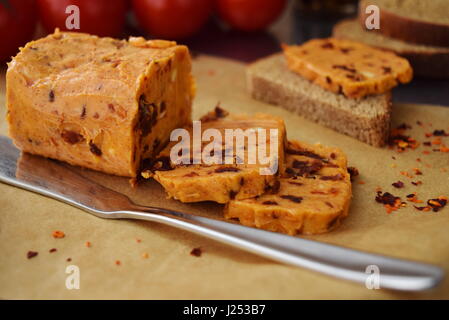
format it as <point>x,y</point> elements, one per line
<point>348,67</point>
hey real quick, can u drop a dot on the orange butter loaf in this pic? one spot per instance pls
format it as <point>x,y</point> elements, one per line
<point>99,103</point>
<point>312,197</point>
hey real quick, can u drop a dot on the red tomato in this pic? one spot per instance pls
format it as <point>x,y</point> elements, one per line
<point>17,24</point>
<point>99,17</point>
<point>172,19</point>
<point>250,15</point>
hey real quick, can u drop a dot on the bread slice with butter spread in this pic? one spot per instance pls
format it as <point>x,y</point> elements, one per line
<point>367,119</point>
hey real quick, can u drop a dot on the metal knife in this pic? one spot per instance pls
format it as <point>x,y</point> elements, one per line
<point>59,181</point>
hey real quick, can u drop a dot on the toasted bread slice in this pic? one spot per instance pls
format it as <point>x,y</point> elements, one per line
<point>313,195</point>
<point>242,178</point>
<point>367,119</point>
<point>414,21</point>
<point>427,61</point>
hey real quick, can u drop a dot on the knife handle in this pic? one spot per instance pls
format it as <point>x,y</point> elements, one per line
<point>328,259</point>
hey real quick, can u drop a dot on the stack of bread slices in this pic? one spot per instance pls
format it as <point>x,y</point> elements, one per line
<point>415,29</point>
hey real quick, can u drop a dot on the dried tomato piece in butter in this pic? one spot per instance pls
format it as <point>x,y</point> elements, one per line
<point>312,197</point>
<point>348,67</point>
<point>222,181</point>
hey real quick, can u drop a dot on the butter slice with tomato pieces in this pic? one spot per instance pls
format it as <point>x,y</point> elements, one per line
<point>348,67</point>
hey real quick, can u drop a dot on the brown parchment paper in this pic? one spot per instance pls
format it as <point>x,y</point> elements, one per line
<point>27,221</point>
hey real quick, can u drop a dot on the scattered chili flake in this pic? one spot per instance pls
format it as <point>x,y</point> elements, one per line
<point>361,182</point>
<point>406,174</point>
<point>398,184</point>
<point>88,244</point>
<point>32,254</point>
<point>428,135</point>
<point>145,255</point>
<point>437,204</point>
<point>419,123</point>
<point>401,141</point>
<point>413,198</point>
<point>427,143</point>
<point>69,259</point>
<point>436,141</point>
<point>434,204</point>
<point>390,202</point>
<point>138,240</point>
<point>196,252</point>
<point>52,250</point>
<point>118,263</point>
<point>417,171</point>
<point>58,234</point>
<point>425,152</point>
<point>416,183</point>
<point>444,149</point>
<point>440,133</point>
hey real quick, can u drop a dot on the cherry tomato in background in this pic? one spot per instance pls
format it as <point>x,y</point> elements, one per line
<point>172,19</point>
<point>17,24</point>
<point>99,17</point>
<point>250,15</point>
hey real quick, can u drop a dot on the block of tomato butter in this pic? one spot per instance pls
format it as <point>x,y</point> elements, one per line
<point>99,103</point>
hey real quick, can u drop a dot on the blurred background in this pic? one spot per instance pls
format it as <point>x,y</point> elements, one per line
<point>238,29</point>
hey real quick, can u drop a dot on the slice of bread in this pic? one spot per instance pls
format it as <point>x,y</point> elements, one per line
<point>427,61</point>
<point>416,21</point>
<point>366,119</point>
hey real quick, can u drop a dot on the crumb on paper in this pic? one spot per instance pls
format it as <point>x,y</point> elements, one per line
<point>145,255</point>
<point>69,259</point>
<point>88,244</point>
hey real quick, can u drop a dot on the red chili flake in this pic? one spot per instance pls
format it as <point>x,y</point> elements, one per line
<point>444,149</point>
<point>58,234</point>
<point>69,259</point>
<point>428,135</point>
<point>440,133</point>
<point>398,184</point>
<point>419,123</point>
<point>417,183</point>
<point>417,171</point>
<point>427,143</point>
<point>401,141</point>
<point>437,204</point>
<point>436,141</point>
<point>32,254</point>
<point>390,202</point>
<point>88,244</point>
<point>196,252</point>
<point>138,240</point>
<point>413,198</point>
<point>118,263</point>
<point>52,250</point>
